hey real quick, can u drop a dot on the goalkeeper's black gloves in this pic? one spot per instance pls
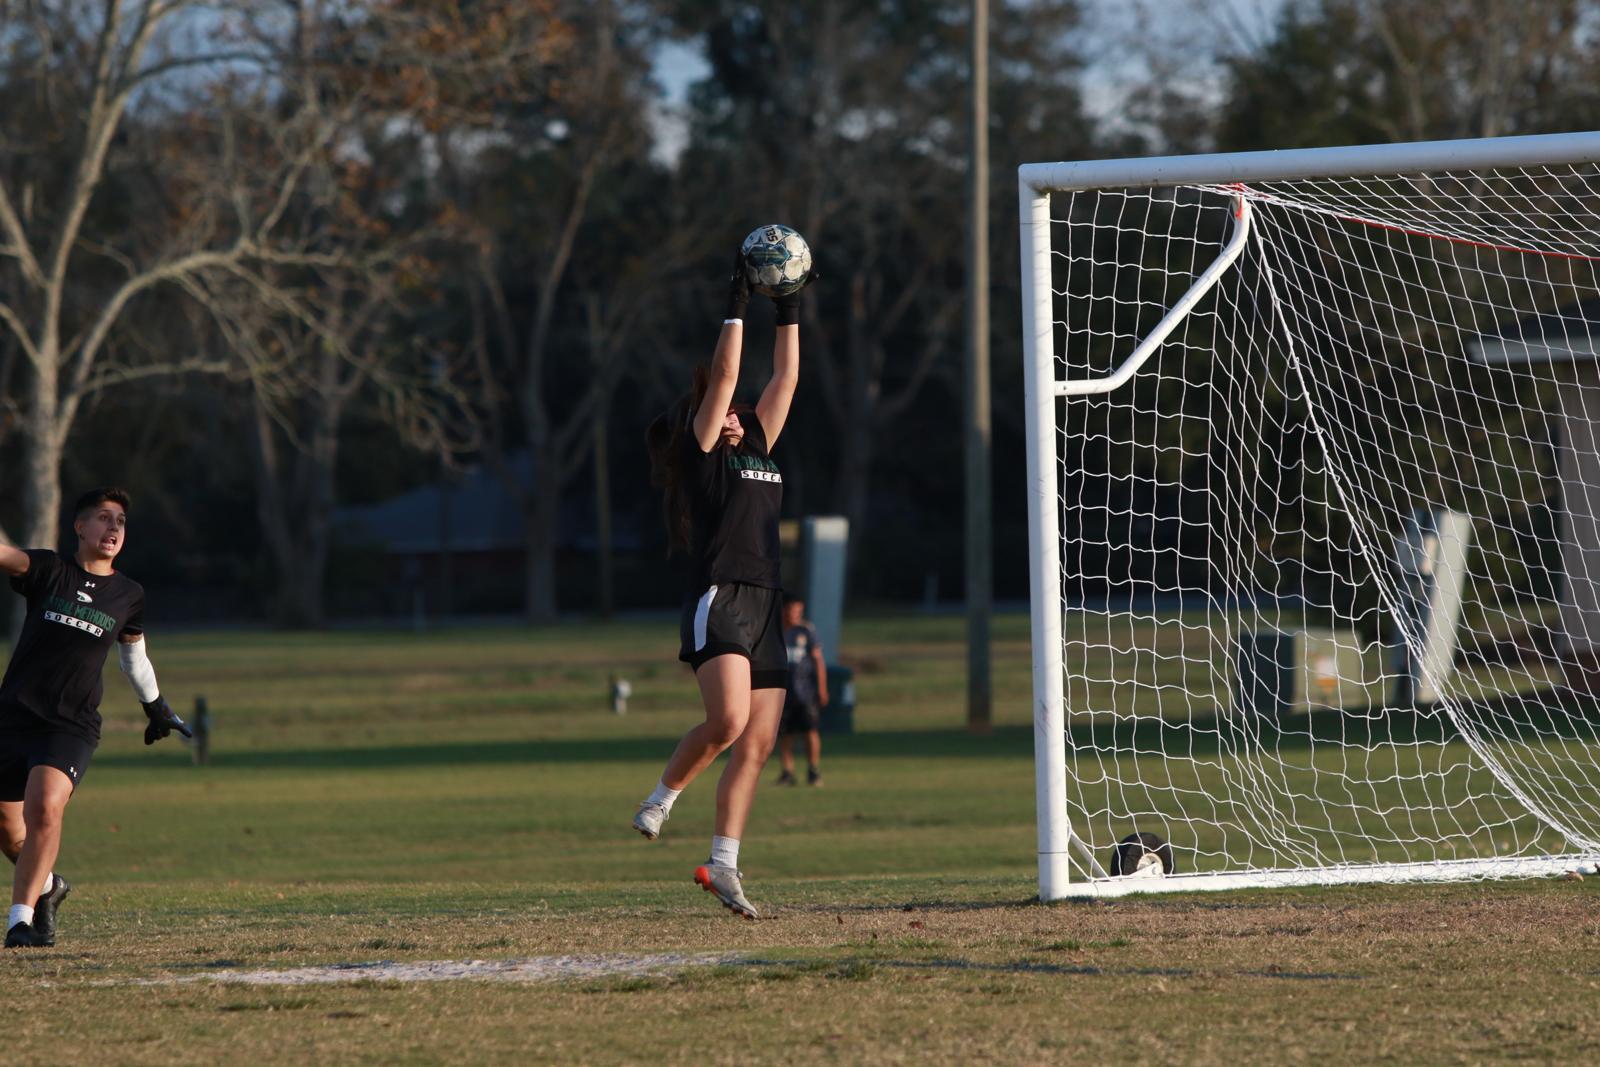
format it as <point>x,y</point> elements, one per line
<point>738,289</point>
<point>163,720</point>
<point>788,305</point>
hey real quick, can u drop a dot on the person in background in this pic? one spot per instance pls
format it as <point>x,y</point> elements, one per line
<point>807,694</point>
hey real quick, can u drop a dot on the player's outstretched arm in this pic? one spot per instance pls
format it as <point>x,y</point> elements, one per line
<point>773,407</point>
<point>13,561</point>
<point>135,662</point>
<point>724,376</point>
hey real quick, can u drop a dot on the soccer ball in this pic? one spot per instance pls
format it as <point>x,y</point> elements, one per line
<point>1142,855</point>
<point>776,259</point>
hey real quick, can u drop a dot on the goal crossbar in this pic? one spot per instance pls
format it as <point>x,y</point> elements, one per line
<point>1373,160</point>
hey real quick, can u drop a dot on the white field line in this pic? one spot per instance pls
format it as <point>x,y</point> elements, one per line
<point>532,969</point>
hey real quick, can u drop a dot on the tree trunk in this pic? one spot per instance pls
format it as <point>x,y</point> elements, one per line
<point>297,603</point>
<point>541,523</point>
<point>604,564</point>
<point>855,477</point>
<point>43,441</point>
<point>296,512</point>
<point>540,538</point>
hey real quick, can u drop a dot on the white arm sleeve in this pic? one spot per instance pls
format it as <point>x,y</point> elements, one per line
<point>141,673</point>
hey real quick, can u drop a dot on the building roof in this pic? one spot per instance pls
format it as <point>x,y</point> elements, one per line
<point>1566,335</point>
<point>474,513</point>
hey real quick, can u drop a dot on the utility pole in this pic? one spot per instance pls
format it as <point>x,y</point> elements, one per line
<point>980,527</point>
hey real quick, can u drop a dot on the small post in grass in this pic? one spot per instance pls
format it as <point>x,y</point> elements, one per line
<point>201,725</point>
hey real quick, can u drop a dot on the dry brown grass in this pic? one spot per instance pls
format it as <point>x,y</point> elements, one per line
<point>901,971</point>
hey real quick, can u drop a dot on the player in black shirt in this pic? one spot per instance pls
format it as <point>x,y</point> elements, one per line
<point>721,494</point>
<point>78,607</point>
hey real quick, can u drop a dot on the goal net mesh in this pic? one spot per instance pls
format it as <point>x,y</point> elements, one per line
<point>1330,560</point>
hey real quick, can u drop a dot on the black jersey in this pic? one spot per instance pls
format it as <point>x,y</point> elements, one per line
<point>74,617</point>
<point>800,642</point>
<point>735,495</point>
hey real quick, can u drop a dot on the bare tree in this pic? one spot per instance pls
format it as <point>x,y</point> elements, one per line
<point>255,201</point>
<point>584,142</point>
<point>70,73</point>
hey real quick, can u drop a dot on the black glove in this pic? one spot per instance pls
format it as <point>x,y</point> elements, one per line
<point>738,289</point>
<point>163,720</point>
<point>788,305</point>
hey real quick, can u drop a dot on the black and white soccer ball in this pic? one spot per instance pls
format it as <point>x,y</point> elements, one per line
<point>1142,855</point>
<point>776,259</point>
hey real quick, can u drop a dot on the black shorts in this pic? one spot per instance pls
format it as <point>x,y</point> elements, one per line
<point>745,620</point>
<point>21,753</point>
<point>800,716</point>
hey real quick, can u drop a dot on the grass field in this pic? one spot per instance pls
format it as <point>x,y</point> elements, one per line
<point>465,796</point>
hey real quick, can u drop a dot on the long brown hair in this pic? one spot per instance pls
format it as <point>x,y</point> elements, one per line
<point>664,441</point>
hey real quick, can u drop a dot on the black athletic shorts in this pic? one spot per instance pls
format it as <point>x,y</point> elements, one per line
<point>21,753</point>
<point>745,620</point>
<point>800,716</point>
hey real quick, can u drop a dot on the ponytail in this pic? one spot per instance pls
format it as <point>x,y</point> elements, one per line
<point>664,441</point>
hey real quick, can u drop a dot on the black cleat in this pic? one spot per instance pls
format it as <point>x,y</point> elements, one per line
<point>44,912</point>
<point>786,778</point>
<point>23,936</point>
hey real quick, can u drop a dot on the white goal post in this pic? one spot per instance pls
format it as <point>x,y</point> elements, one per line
<point>1314,513</point>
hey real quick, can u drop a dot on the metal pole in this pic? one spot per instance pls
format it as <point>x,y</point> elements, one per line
<point>1355,160</point>
<point>1044,544</point>
<point>979,526</point>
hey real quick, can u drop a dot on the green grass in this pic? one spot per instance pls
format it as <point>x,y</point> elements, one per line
<point>465,795</point>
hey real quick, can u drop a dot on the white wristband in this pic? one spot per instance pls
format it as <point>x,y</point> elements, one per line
<point>140,671</point>
<point>733,322</point>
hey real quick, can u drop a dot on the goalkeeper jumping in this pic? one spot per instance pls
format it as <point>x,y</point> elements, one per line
<point>721,493</point>
<point>78,607</point>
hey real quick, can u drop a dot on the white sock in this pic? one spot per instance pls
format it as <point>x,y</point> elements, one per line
<point>663,796</point>
<point>20,913</point>
<point>49,881</point>
<point>725,852</point>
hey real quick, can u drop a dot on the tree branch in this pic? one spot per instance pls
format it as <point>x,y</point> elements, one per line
<point>893,407</point>
<point>10,318</point>
<point>111,376</point>
<point>576,429</point>
<point>155,70</point>
<point>96,334</point>
<point>11,226</point>
<point>99,128</point>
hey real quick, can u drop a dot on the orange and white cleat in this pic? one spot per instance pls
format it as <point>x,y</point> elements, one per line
<point>727,884</point>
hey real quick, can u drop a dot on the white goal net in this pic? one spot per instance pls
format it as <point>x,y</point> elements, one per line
<point>1315,501</point>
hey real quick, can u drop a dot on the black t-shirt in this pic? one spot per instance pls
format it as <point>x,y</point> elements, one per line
<point>801,642</point>
<point>74,617</point>
<point>735,495</point>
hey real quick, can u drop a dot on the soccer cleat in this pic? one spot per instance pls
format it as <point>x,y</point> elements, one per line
<point>44,912</point>
<point>23,936</point>
<point>648,819</point>
<point>787,778</point>
<point>726,883</point>
<point>813,777</point>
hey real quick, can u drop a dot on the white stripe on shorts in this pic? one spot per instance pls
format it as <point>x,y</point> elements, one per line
<point>701,611</point>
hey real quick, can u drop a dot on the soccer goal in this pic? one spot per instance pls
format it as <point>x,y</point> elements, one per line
<point>1314,504</point>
